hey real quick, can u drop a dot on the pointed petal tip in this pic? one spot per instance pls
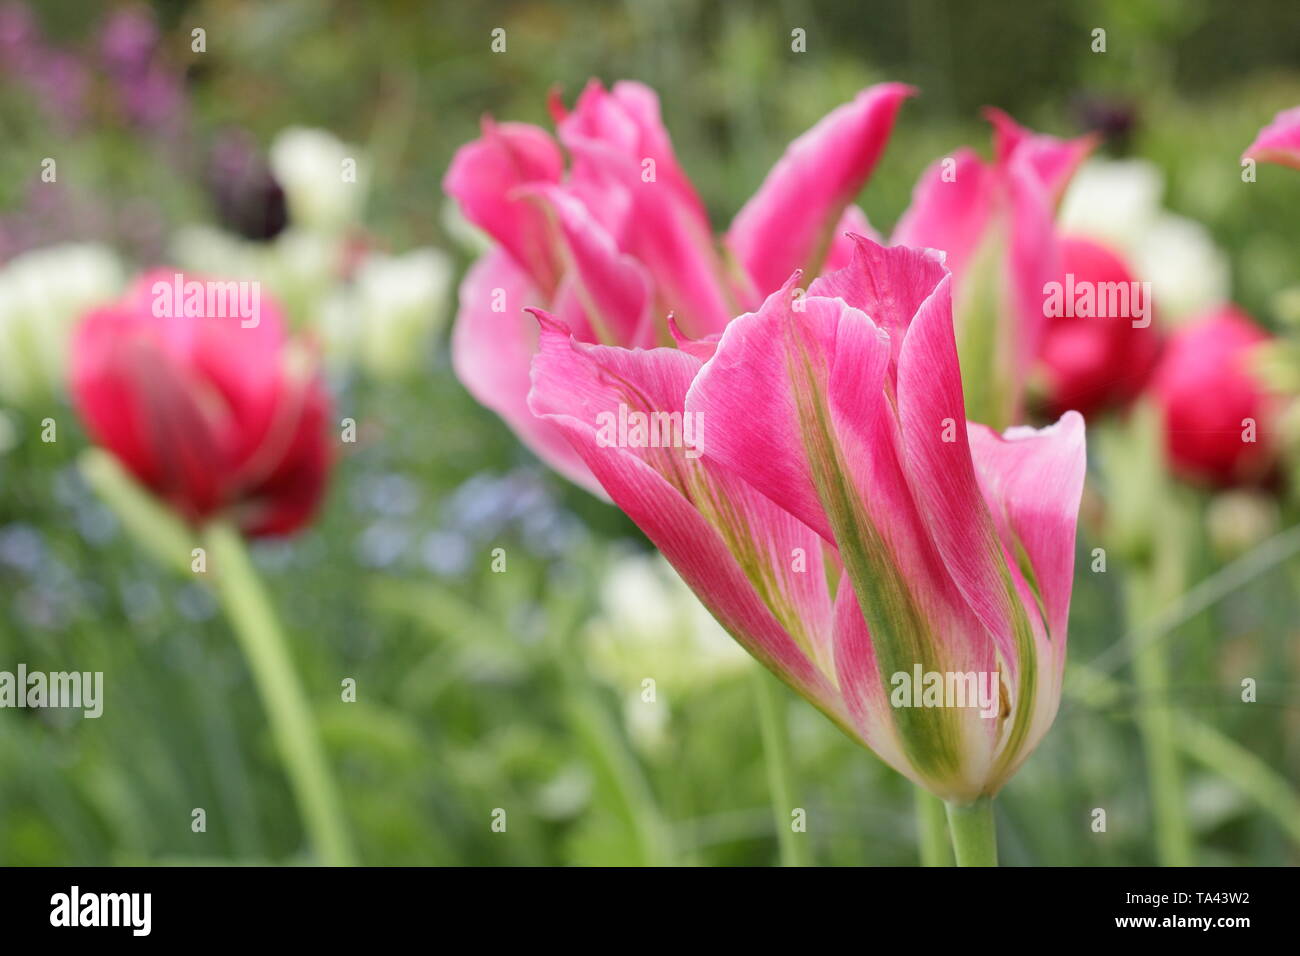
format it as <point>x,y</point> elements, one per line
<point>548,322</point>
<point>555,104</point>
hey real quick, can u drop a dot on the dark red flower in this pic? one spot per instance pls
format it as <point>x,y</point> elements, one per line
<point>1093,362</point>
<point>219,415</point>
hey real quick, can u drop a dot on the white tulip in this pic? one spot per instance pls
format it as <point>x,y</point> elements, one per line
<point>43,293</point>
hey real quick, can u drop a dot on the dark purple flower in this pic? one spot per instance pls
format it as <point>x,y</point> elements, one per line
<point>247,199</point>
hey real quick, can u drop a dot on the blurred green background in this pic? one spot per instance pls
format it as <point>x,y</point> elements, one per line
<point>479,690</point>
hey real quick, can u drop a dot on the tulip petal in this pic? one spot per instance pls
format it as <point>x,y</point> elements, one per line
<point>1032,481</point>
<point>798,402</point>
<point>1053,160</point>
<point>1279,141</point>
<point>852,223</point>
<point>485,177</point>
<point>141,406</point>
<point>888,284</point>
<point>613,287</point>
<point>790,222</point>
<point>731,545</point>
<point>624,162</point>
<point>493,343</point>
<point>951,207</point>
<point>937,461</point>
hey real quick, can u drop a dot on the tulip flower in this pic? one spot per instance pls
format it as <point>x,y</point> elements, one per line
<point>1279,141</point>
<point>839,516</point>
<point>1100,359</point>
<point>1217,415</point>
<point>1118,203</point>
<point>215,418</point>
<point>620,240</point>
<point>994,222</point>
<point>205,404</point>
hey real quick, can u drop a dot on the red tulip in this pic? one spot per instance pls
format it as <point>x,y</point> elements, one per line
<point>1216,413</point>
<point>1096,361</point>
<point>217,416</point>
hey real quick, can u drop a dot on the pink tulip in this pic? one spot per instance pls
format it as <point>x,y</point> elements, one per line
<point>1217,414</point>
<point>826,499</point>
<point>994,221</point>
<point>213,415</point>
<point>621,240</point>
<point>1279,141</point>
<point>1097,361</point>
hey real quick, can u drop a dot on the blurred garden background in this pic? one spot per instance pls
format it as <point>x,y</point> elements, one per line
<point>478,690</point>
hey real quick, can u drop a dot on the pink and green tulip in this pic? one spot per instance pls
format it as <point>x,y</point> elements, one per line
<point>839,516</point>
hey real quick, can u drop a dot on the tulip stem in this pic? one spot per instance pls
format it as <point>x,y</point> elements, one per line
<point>974,837</point>
<point>1155,720</point>
<point>780,777</point>
<point>251,616</point>
<point>932,826</point>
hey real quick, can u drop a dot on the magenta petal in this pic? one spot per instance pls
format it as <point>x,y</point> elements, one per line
<point>887,283</point>
<point>756,392</point>
<point>951,207</point>
<point>484,178</point>
<point>626,172</point>
<point>1033,261</point>
<point>702,517</point>
<point>789,223</point>
<point>613,288</point>
<point>1053,160</point>
<point>1279,141</point>
<point>1032,480</point>
<point>852,223</point>
<point>862,686</point>
<point>491,351</point>
<point>937,459</point>
<point>747,396</point>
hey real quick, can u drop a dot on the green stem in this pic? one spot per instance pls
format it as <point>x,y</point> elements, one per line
<point>776,755</point>
<point>620,773</point>
<point>292,725</point>
<point>932,827</point>
<point>1155,722</point>
<point>974,838</point>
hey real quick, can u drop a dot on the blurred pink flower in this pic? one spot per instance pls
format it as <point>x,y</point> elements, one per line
<point>1217,414</point>
<point>1279,141</point>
